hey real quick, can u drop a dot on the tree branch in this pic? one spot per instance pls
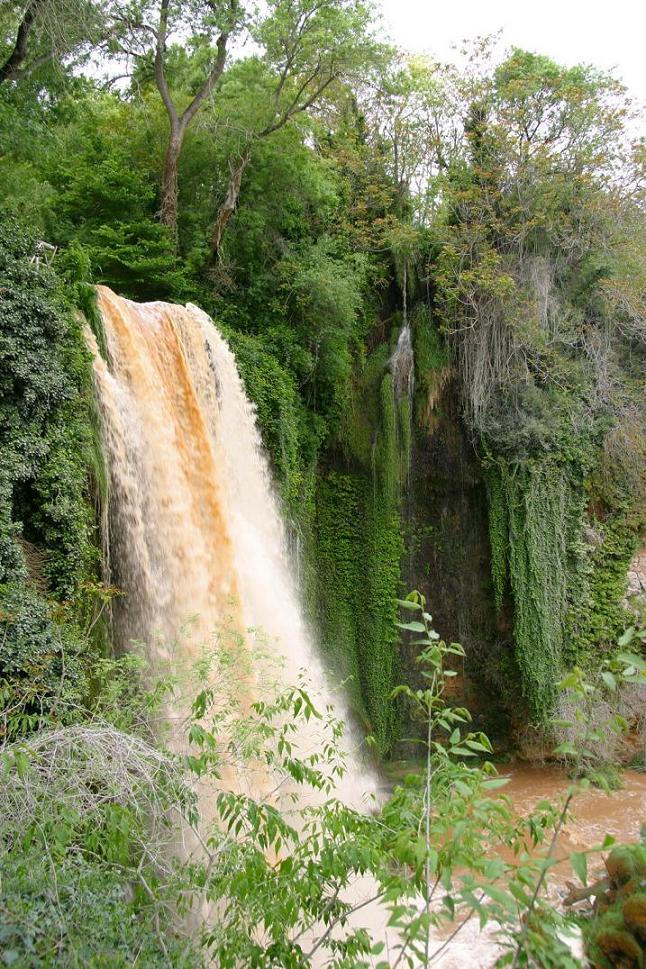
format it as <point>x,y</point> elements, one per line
<point>160,74</point>
<point>211,81</point>
<point>296,108</point>
<point>9,70</point>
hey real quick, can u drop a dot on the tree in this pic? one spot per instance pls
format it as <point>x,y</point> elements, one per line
<point>526,209</point>
<point>211,15</point>
<point>308,46</point>
<point>148,32</point>
<point>44,31</point>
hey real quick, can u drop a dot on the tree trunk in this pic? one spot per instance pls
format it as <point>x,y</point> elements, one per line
<point>169,176</point>
<point>11,66</point>
<point>228,206</point>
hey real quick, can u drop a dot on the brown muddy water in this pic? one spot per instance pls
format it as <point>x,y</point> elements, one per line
<point>594,815</point>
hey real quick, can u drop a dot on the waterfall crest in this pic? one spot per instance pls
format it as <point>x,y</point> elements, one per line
<point>195,534</point>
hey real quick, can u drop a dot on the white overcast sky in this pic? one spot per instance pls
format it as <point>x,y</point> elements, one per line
<point>608,34</point>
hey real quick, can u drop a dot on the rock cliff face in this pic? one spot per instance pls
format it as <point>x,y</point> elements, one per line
<point>448,559</point>
<point>636,578</point>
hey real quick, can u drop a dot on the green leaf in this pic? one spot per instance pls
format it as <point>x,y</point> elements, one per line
<point>609,680</point>
<point>499,895</point>
<point>520,894</point>
<point>579,863</point>
<point>626,637</point>
<point>495,782</point>
<point>631,659</point>
<point>413,627</point>
<point>463,788</point>
<point>476,745</point>
<point>566,748</point>
<point>407,604</point>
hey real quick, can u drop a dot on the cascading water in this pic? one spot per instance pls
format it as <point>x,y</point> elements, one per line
<point>196,541</point>
<point>402,364</point>
<point>195,536</point>
<point>402,368</point>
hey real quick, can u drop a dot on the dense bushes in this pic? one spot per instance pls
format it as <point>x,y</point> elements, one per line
<point>45,428</point>
<point>41,662</point>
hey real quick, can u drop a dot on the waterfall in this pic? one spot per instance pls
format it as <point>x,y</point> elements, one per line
<point>196,539</point>
<point>402,364</point>
<point>195,536</point>
<point>402,367</point>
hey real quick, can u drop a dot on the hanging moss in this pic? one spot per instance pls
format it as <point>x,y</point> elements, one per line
<point>386,460</point>
<point>358,553</point>
<point>535,522</point>
<point>498,532</point>
<point>357,432</point>
<point>612,525</point>
<point>359,550</point>
<point>405,434</point>
<point>432,366</point>
<point>377,645</point>
<point>340,500</point>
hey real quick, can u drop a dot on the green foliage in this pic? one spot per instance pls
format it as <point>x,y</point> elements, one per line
<point>45,433</point>
<point>535,522</point>
<point>597,708</point>
<point>339,537</point>
<point>613,524</point>
<point>324,290</point>
<point>359,547</point>
<point>358,552</point>
<point>84,832</point>
<point>432,365</point>
<point>40,662</point>
<point>528,258</point>
<point>498,519</point>
<point>78,914</point>
<point>136,259</point>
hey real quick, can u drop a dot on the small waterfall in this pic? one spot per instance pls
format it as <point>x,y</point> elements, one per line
<point>196,539</point>
<point>402,364</point>
<point>402,367</point>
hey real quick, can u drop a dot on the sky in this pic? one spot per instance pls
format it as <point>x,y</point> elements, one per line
<point>608,34</point>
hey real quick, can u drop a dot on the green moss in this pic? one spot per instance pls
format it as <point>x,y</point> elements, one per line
<point>498,532</point>
<point>405,433</point>
<point>386,456</point>
<point>358,553</point>
<point>340,503</point>
<point>535,521</point>
<point>357,431</point>
<point>612,525</point>
<point>358,557</point>
<point>432,363</point>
